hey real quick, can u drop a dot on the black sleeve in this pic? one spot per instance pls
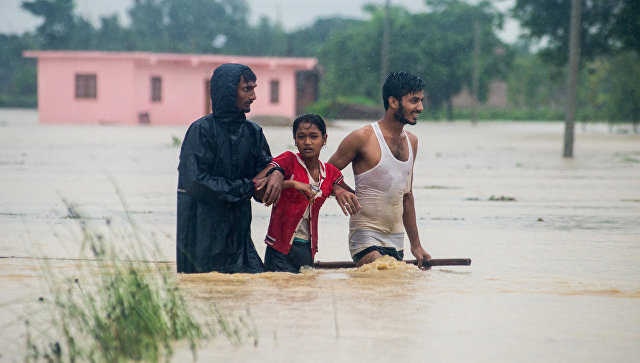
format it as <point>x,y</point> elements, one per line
<point>196,159</point>
<point>264,154</point>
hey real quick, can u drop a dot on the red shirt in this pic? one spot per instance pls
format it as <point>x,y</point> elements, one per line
<point>286,215</point>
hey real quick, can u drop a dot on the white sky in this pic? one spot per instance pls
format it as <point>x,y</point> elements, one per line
<point>292,13</point>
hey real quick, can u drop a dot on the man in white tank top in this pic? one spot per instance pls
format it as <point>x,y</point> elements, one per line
<point>382,155</point>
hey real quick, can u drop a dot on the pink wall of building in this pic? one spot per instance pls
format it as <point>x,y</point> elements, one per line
<point>124,87</point>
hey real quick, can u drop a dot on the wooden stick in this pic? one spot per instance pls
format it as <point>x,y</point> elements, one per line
<point>430,263</point>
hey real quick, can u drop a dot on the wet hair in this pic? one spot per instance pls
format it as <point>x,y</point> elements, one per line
<point>310,118</point>
<point>248,74</point>
<point>399,84</point>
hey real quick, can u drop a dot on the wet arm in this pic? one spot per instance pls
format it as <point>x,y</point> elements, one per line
<point>347,150</point>
<point>411,227</point>
<point>409,218</point>
<point>346,199</point>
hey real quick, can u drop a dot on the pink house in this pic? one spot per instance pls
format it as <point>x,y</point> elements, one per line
<point>87,87</point>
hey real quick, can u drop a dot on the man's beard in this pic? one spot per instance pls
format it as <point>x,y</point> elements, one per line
<point>399,115</point>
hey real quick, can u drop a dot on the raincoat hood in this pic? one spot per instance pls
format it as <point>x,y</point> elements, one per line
<point>224,83</point>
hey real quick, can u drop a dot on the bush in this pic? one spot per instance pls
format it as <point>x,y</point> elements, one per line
<point>349,108</point>
<point>118,305</point>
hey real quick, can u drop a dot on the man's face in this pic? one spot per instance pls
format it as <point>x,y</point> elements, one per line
<point>246,94</point>
<point>409,108</point>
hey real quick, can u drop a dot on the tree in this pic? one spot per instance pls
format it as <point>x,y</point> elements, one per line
<point>112,36</point>
<point>355,73</point>
<point>607,26</point>
<point>61,29</point>
<point>17,75</point>
<point>532,83</point>
<point>148,25</point>
<point>194,25</point>
<point>437,46</point>
<point>307,42</point>
<point>448,40</point>
<point>623,99</point>
<point>266,39</point>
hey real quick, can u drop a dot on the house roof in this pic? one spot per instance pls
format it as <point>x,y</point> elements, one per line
<point>192,59</point>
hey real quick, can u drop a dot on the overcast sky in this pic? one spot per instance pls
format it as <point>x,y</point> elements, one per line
<point>291,13</point>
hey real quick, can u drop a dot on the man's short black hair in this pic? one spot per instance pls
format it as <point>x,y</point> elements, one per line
<point>248,74</point>
<point>310,118</point>
<point>399,84</point>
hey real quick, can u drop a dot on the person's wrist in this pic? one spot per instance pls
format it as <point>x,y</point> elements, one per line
<point>340,192</point>
<point>275,168</point>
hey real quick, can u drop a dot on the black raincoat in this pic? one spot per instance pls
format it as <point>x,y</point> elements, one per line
<point>220,155</point>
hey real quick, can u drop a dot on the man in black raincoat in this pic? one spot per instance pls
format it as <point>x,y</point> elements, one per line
<point>220,155</point>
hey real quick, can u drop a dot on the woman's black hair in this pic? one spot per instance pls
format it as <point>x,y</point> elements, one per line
<point>310,118</point>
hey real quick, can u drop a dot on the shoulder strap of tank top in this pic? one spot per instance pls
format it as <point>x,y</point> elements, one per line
<point>406,135</point>
<point>384,148</point>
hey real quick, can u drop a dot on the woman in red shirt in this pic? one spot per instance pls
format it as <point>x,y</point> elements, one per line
<point>292,237</point>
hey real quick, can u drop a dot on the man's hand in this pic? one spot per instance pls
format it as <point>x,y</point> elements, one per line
<point>422,256</point>
<point>348,202</point>
<point>272,186</point>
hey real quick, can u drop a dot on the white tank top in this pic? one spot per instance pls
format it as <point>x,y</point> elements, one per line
<point>380,191</point>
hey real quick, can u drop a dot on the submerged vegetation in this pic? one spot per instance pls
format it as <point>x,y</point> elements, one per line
<point>119,304</point>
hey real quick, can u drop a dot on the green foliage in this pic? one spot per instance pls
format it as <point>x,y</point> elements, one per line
<point>193,25</point>
<point>61,28</point>
<point>354,72</point>
<point>17,75</point>
<point>306,42</point>
<point>119,304</point>
<point>176,141</point>
<point>266,39</point>
<point>506,114</point>
<point>111,36</point>
<point>624,101</point>
<point>437,46</point>
<point>531,83</point>
<point>148,25</point>
<point>611,89</point>
<point>347,108</point>
<point>606,26</point>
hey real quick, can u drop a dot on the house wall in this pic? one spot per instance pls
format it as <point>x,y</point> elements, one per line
<point>124,86</point>
<point>286,105</point>
<point>183,92</point>
<point>57,102</point>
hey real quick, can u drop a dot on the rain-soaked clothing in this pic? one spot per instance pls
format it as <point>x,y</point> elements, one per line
<point>380,191</point>
<point>286,215</point>
<point>220,155</point>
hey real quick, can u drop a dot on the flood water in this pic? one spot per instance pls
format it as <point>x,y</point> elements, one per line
<point>555,273</point>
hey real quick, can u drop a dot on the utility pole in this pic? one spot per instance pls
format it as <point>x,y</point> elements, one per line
<point>384,61</point>
<point>475,81</point>
<point>572,77</point>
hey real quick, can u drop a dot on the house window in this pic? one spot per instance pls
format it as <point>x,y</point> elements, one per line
<point>86,86</point>
<point>275,91</point>
<point>156,89</point>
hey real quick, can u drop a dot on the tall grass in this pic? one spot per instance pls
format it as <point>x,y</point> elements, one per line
<point>118,304</point>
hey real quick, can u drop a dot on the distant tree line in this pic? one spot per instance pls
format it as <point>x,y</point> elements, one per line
<point>437,45</point>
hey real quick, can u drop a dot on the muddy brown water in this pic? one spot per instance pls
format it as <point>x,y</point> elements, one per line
<point>555,273</point>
